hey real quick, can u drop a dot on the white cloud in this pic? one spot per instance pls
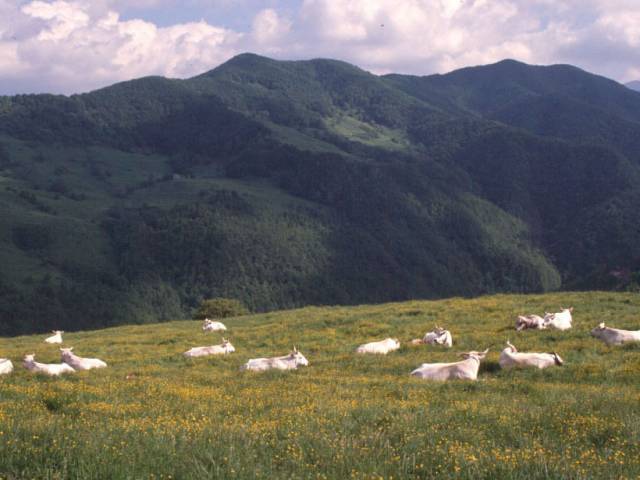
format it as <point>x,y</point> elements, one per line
<point>269,28</point>
<point>76,45</point>
<point>73,47</point>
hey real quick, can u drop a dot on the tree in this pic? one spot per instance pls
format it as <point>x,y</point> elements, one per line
<point>220,308</point>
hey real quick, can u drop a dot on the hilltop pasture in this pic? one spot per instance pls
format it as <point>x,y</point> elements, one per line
<point>155,414</point>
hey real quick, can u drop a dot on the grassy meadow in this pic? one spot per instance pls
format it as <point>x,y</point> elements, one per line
<point>154,414</point>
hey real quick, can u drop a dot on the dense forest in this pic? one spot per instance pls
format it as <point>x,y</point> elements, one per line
<point>313,182</point>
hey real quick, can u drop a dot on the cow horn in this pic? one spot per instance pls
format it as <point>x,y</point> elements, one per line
<point>557,359</point>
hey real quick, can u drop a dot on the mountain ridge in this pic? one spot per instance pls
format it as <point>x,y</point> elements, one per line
<point>285,183</point>
<point>633,85</point>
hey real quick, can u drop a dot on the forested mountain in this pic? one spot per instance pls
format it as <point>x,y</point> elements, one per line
<point>313,182</point>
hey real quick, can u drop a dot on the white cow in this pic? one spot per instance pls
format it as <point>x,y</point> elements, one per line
<point>224,348</point>
<point>55,338</point>
<point>510,357</point>
<point>439,336</point>
<point>534,322</point>
<point>80,363</point>
<point>6,366</point>
<point>52,369</point>
<point>560,320</point>
<point>467,369</point>
<point>382,347</point>
<point>614,336</point>
<point>211,326</point>
<point>287,362</point>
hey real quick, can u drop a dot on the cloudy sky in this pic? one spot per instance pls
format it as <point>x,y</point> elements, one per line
<point>68,46</point>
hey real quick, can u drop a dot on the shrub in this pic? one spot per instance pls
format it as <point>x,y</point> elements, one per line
<point>220,308</point>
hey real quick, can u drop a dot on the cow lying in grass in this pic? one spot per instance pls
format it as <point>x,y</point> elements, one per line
<point>534,322</point>
<point>223,349</point>
<point>615,336</point>
<point>560,320</point>
<point>382,347</point>
<point>51,369</point>
<point>6,366</point>
<point>510,357</point>
<point>439,336</point>
<point>286,362</point>
<point>466,369</point>
<point>55,338</point>
<point>80,363</point>
<point>211,326</point>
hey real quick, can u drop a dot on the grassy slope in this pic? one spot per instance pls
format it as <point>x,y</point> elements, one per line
<point>343,416</point>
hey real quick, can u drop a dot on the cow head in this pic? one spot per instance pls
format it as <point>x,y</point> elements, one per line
<point>475,355</point>
<point>298,358</point>
<point>442,335</point>
<point>29,357</point>
<point>206,324</point>
<point>226,345</point>
<point>597,332</point>
<point>65,352</point>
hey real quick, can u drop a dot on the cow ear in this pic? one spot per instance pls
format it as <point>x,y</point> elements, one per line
<point>571,309</point>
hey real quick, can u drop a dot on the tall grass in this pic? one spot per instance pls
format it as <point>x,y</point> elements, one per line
<point>154,414</point>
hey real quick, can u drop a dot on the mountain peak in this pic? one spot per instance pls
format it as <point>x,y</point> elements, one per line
<point>252,61</point>
<point>242,60</point>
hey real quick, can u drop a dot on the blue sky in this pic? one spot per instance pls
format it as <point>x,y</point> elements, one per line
<point>231,14</point>
<point>70,46</point>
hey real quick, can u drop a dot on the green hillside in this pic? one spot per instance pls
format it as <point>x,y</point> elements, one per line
<point>286,184</point>
<point>154,414</point>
